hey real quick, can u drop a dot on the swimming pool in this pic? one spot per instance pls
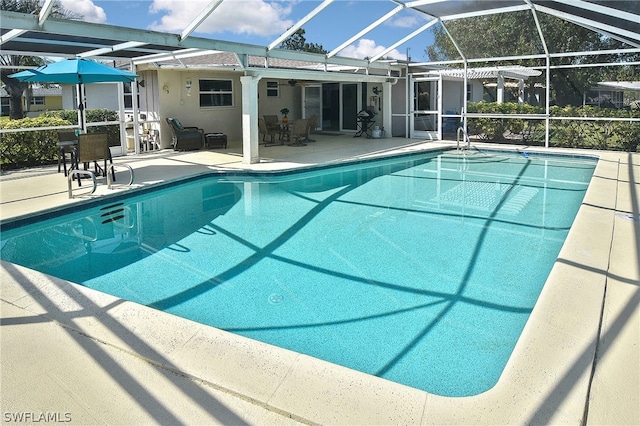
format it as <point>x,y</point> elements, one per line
<point>422,270</point>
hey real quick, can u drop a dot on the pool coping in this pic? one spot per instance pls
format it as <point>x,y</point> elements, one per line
<point>546,380</point>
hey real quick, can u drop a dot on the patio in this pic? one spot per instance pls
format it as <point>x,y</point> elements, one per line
<point>84,357</point>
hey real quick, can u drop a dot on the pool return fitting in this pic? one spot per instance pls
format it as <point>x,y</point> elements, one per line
<point>89,173</point>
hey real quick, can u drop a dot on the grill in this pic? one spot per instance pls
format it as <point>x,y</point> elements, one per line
<point>365,121</point>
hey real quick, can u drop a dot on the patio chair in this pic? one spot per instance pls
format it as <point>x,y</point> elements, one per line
<point>272,122</point>
<point>266,131</point>
<point>185,138</point>
<point>300,132</point>
<point>67,145</point>
<point>93,147</point>
<point>313,123</point>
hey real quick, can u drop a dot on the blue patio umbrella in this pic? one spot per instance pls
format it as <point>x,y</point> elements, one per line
<point>77,71</point>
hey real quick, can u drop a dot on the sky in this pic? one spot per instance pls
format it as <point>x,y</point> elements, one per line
<point>262,21</point>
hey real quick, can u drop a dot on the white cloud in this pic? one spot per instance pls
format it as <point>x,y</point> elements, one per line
<point>405,22</point>
<point>367,48</point>
<point>252,17</point>
<point>89,11</point>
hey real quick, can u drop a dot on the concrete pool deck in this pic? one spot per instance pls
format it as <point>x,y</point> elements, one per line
<point>73,354</point>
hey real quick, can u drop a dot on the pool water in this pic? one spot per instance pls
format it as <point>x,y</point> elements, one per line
<point>422,270</point>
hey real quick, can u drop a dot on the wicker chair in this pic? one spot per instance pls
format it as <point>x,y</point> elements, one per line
<point>268,132</point>
<point>93,147</point>
<point>272,123</point>
<point>313,124</point>
<point>300,132</point>
<point>185,138</point>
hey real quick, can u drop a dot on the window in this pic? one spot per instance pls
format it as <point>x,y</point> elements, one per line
<point>37,100</point>
<point>128,96</point>
<point>215,93</point>
<point>273,89</point>
<point>5,105</point>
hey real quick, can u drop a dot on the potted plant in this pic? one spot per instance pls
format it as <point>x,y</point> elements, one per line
<point>284,112</point>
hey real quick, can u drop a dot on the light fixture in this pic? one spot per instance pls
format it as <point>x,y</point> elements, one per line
<point>165,88</point>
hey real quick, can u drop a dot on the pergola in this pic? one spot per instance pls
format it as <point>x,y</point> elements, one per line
<point>41,35</point>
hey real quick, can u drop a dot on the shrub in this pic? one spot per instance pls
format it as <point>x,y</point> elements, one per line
<point>93,116</point>
<point>502,129</point>
<point>612,135</point>
<point>32,148</point>
<point>39,147</point>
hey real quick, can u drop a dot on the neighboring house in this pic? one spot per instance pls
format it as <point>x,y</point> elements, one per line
<point>495,83</point>
<point>614,94</point>
<point>41,99</point>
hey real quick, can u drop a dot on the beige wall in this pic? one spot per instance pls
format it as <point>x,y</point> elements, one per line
<point>50,103</point>
<point>176,102</point>
<point>289,97</point>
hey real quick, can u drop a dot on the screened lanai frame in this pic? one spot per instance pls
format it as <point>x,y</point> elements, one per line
<point>627,33</point>
<point>43,36</point>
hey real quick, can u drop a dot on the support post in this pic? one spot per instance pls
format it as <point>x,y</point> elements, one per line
<point>250,154</point>
<point>500,93</point>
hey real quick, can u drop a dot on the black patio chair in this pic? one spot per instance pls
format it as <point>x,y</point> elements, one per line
<point>185,138</point>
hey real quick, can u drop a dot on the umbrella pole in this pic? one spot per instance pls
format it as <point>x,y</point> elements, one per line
<point>82,117</point>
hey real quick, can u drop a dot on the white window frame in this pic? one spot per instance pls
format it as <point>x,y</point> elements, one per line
<point>273,89</point>
<point>38,100</point>
<point>216,92</point>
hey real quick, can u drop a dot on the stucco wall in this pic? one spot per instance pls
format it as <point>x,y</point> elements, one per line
<point>175,101</point>
<point>289,97</point>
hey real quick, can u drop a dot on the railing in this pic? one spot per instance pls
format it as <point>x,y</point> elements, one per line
<point>109,173</point>
<point>461,130</point>
<point>89,173</point>
<point>76,172</point>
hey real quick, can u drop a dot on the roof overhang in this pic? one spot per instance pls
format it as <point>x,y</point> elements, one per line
<point>485,73</point>
<point>619,85</point>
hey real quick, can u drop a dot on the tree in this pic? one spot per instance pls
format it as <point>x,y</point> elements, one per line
<point>297,41</point>
<point>15,88</point>
<point>512,34</point>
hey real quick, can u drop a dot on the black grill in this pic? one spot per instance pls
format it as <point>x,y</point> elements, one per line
<point>365,121</point>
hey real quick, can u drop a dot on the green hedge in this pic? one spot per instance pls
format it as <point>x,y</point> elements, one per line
<point>611,135</point>
<point>34,148</point>
<point>39,147</point>
<point>93,116</point>
<point>503,129</point>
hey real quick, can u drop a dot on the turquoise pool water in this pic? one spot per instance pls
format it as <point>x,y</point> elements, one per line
<point>422,269</point>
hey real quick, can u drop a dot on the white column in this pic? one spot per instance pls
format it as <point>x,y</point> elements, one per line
<point>439,124</point>
<point>386,108</point>
<point>500,93</point>
<point>521,97</point>
<point>250,154</point>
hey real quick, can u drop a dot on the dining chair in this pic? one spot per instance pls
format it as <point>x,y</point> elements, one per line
<point>93,147</point>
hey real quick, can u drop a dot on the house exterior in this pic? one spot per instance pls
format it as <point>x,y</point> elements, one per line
<point>215,93</point>
<point>42,99</point>
<point>614,94</point>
